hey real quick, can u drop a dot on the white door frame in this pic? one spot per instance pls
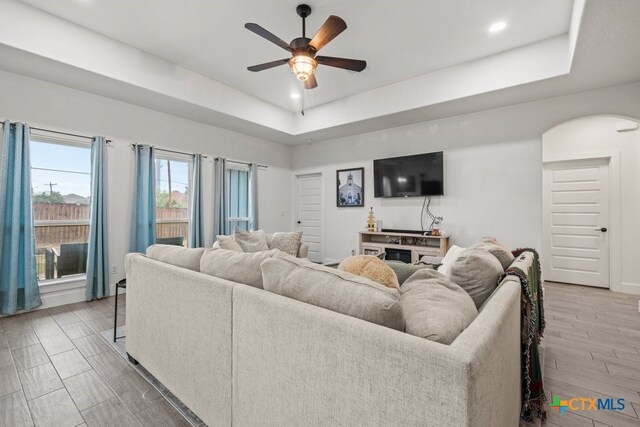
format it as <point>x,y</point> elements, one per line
<point>615,239</point>
<point>296,175</point>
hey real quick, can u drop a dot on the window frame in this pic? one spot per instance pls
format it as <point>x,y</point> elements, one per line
<point>68,141</point>
<point>239,219</point>
<point>177,157</point>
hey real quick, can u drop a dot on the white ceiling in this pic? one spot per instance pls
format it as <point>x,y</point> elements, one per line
<point>398,39</point>
<point>428,59</point>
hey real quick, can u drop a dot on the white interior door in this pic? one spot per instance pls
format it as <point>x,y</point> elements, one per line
<point>309,213</point>
<point>575,222</point>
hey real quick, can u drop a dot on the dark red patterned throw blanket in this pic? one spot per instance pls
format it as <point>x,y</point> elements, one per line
<point>532,324</point>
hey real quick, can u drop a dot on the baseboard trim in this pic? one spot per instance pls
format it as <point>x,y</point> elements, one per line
<point>67,293</point>
<point>55,295</point>
<point>629,288</point>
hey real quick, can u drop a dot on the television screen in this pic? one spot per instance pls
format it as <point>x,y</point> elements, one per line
<point>409,176</point>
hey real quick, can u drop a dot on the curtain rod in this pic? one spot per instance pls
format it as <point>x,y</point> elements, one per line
<point>237,162</point>
<point>172,151</point>
<point>61,133</point>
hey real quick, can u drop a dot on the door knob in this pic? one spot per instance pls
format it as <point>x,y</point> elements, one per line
<point>299,222</point>
<point>603,229</point>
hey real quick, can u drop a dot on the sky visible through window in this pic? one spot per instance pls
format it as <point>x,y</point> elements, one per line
<point>179,175</point>
<point>70,170</point>
<point>74,161</point>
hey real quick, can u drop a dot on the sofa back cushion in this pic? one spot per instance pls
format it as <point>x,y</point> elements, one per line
<point>251,241</point>
<point>404,271</point>
<point>229,243</point>
<point>176,255</point>
<point>496,249</point>
<point>235,266</point>
<point>434,307</point>
<point>477,272</point>
<point>334,290</point>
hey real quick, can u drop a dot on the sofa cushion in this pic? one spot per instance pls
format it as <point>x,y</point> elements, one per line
<point>176,255</point>
<point>229,243</point>
<point>404,271</point>
<point>477,272</point>
<point>286,242</point>
<point>434,307</point>
<point>371,267</point>
<point>251,241</point>
<point>334,290</point>
<point>452,254</point>
<point>496,249</point>
<point>235,266</point>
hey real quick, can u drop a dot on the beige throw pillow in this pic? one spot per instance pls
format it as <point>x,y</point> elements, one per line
<point>176,255</point>
<point>434,307</point>
<point>334,290</point>
<point>227,242</point>
<point>235,266</point>
<point>477,272</point>
<point>496,249</point>
<point>286,242</point>
<point>251,241</point>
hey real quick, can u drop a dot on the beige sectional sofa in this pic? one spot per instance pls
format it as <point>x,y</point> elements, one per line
<point>242,356</point>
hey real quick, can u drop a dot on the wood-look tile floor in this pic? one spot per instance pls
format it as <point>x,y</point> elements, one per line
<point>57,370</point>
<point>592,349</point>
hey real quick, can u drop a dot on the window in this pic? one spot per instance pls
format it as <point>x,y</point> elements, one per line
<point>238,198</point>
<point>173,174</point>
<point>61,193</point>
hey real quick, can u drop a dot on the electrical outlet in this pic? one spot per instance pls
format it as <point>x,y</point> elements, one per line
<point>353,252</point>
<point>114,269</point>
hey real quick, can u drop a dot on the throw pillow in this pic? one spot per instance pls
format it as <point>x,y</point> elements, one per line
<point>404,271</point>
<point>227,242</point>
<point>334,290</point>
<point>452,254</point>
<point>286,242</point>
<point>496,249</point>
<point>477,272</point>
<point>176,255</point>
<point>372,267</point>
<point>251,241</point>
<point>235,266</point>
<point>434,307</point>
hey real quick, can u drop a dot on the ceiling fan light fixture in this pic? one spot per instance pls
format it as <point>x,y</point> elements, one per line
<point>303,66</point>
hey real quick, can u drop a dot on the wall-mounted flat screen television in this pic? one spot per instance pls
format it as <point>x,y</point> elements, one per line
<point>409,176</point>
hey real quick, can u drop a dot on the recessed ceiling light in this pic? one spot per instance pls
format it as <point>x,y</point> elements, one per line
<point>497,27</point>
<point>295,95</point>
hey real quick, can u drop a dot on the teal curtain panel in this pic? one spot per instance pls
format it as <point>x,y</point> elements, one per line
<point>18,277</point>
<point>220,220</point>
<point>196,225</point>
<point>98,256</point>
<point>143,220</point>
<point>253,196</point>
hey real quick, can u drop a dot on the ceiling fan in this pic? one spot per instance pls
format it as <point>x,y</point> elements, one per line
<point>303,61</point>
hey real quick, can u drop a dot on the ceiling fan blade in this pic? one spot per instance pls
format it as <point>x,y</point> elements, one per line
<point>347,64</point>
<point>267,65</point>
<point>267,35</point>
<point>311,82</point>
<point>333,26</point>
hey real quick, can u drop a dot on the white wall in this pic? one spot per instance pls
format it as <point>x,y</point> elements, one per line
<point>493,169</point>
<point>589,135</point>
<point>55,107</point>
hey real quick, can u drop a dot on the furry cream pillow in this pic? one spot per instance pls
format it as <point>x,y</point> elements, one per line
<point>371,267</point>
